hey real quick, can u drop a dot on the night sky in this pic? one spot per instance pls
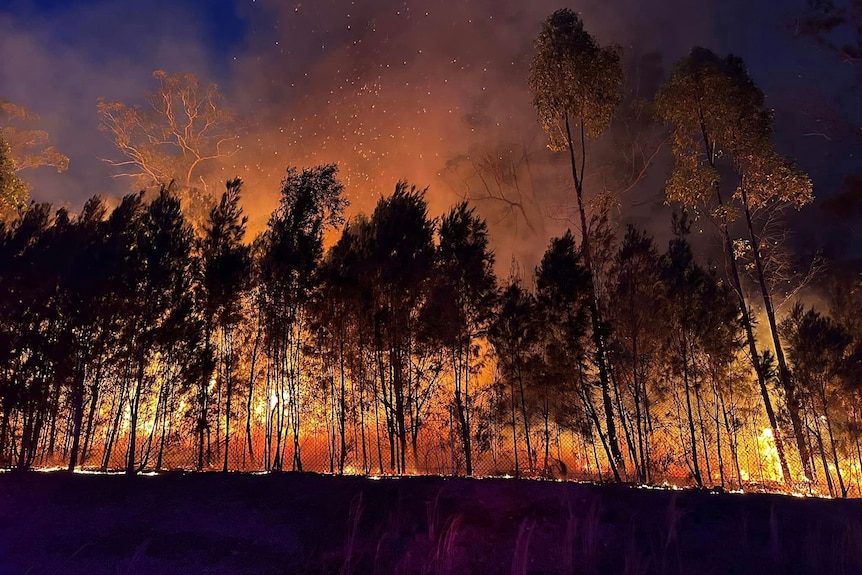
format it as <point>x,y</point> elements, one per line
<point>389,89</point>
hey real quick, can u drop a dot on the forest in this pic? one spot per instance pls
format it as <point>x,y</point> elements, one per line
<point>153,332</point>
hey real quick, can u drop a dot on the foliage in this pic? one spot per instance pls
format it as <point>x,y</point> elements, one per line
<point>573,77</point>
<point>31,148</point>
<point>13,191</point>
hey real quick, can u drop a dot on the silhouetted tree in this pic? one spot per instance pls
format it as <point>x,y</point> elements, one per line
<point>636,341</point>
<point>401,256</point>
<point>157,277</point>
<point>563,290</point>
<point>816,348</point>
<point>578,84</point>
<point>312,202</point>
<point>514,333</point>
<point>226,266</point>
<point>460,304</point>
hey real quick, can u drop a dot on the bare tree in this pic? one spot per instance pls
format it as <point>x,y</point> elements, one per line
<point>183,127</point>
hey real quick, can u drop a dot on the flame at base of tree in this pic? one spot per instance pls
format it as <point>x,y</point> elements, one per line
<point>167,444</point>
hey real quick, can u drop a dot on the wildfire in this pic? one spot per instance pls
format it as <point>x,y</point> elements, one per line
<point>769,461</point>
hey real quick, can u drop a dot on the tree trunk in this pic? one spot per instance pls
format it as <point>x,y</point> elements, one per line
<point>752,345</point>
<point>791,399</point>
<point>460,373</point>
<point>133,419</point>
<point>598,339</point>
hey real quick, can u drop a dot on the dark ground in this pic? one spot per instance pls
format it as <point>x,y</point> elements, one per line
<point>55,523</point>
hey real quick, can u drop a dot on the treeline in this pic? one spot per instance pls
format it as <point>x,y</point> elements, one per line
<point>133,340</point>
<point>129,340</point>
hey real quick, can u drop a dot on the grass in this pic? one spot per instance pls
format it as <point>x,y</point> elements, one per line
<point>307,524</point>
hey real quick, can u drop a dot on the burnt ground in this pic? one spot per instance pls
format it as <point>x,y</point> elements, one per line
<point>56,523</point>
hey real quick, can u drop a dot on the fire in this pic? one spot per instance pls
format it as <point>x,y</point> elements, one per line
<point>769,460</point>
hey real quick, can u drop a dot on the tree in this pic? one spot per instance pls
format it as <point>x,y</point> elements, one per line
<point>346,311</point>
<point>312,202</point>
<point>13,190</point>
<point>716,112</point>
<point>502,177</point>
<point>226,266</point>
<point>637,336</point>
<point>27,284</point>
<point>401,259</point>
<point>564,292</point>
<point>184,127</point>
<point>459,306</point>
<point>31,148</point>
<point>514,333</point>
<point>701,317</point>
<point>156,281</point>
<point>574,81</point>
<point>83,304</point>
<point>816,348</point>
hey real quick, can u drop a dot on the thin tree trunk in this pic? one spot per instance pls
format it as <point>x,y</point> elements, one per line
<point>133,419</point>
<point>746,320</point>
<point>790,397</point>
<point>598,339</point>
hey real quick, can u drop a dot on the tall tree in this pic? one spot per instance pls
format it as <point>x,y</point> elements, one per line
<point>716,112</point>
<point>462,290</point>
<point>157,280</point>
<point>514,333</point>
<point>637,337</point>
<point>401,257</point>
<point>226,266</point>
<point>576,86</point>
<point>564,292</point>
<point>816,348</point>
<point>83,304</point>
<point>312,202</point>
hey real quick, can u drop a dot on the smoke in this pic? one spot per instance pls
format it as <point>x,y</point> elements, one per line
<point>423,91</point>
<point>413,89</point>
<point>59,64</point>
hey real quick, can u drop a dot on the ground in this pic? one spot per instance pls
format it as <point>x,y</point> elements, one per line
<point>56,523</point>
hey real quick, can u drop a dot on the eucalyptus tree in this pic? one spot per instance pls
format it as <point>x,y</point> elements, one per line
<point>718,116</point>
<point>576,86</point>
<point>31,146</point>
<point>312,202</point>
<point>461,303</point>
<point>184,127</point>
